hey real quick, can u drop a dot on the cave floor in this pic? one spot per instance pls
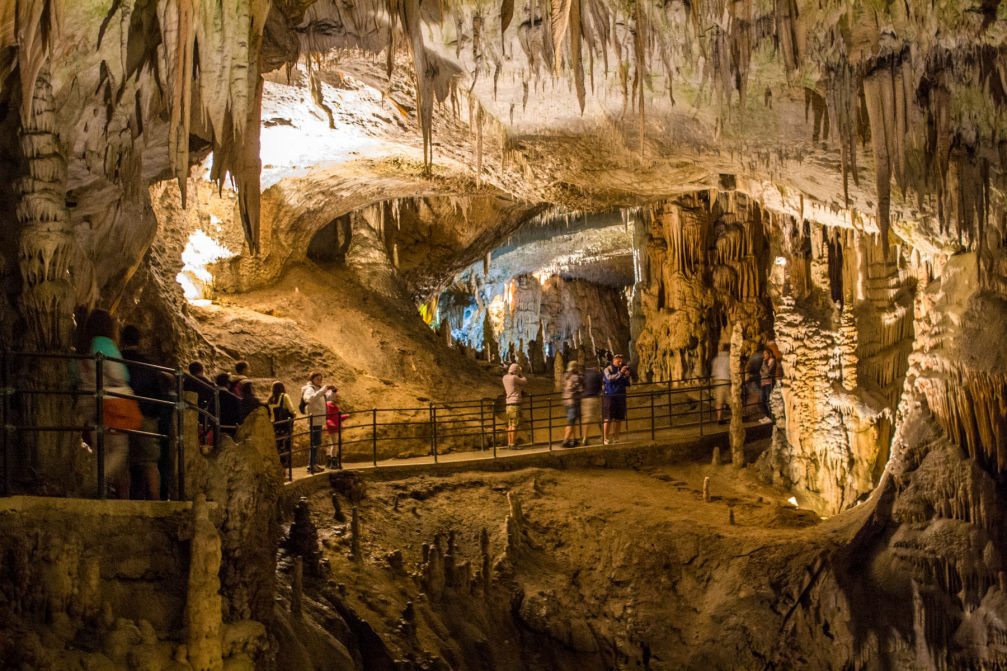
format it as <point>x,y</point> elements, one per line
<point>599,562</point>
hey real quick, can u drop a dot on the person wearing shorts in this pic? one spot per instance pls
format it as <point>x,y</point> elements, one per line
<point>590,403</point>
<point>721,375</point>
<point>616,380</point>
<point>513,383</point>
<point>573,387</point>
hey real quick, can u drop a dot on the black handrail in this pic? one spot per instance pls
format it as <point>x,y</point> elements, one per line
<point>178,407</point>
<point>651,407</point>
<point>429,429</point>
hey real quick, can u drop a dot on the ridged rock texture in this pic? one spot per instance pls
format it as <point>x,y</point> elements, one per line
<point>705,263</point>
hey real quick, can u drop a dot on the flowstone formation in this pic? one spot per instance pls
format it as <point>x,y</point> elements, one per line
<point>704,262</point>
<point>557,285</point>
<point>843,317</point>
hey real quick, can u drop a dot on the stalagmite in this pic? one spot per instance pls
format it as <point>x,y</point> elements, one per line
<point>355,554</point>
<point>706,489</point>
<point>737,431</point>
<point>297,588</point>
<point>203,605</point>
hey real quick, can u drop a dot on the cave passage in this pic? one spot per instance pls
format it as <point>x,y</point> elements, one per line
<point>558,284</point>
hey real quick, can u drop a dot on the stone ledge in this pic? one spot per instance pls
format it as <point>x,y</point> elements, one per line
<point>636,454</point>
<point>102,507</point>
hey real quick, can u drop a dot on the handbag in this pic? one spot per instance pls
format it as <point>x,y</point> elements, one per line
<point>122,413</point>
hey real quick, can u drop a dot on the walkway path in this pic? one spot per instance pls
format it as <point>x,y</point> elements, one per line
<point>675,437</point>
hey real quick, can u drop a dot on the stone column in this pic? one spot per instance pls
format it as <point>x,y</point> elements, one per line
<point>203,607</point>
<point>45,245</point>
<point>737,432</point>
<point>45,257</point>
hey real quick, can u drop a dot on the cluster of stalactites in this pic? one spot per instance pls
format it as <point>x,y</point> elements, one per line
<point>725,241</point>
<point>970,407</point>
<point>934,118</point>
<point>204,51</point>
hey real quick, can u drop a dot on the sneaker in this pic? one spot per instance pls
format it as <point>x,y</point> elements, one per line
<point>575,443</point>
<point>568,444</point>
<point>607,442</point>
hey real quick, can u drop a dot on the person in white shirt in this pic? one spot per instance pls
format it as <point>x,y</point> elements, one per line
<point>721,376</point>
<point>513,383</point>
<point>313,397</point>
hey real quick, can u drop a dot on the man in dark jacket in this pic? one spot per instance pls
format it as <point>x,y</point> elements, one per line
<point>145,452</point>
<point>616,380</point>
<point>197,382</point>
<point>230,406</point>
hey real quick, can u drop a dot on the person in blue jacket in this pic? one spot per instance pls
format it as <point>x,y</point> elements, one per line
<point>616,380</point>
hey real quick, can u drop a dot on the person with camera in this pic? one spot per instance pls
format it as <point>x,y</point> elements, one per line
<point>313,397</point>
<point>616,379</point>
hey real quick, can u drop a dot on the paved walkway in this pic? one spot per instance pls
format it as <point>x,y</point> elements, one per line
<point>671,437</point>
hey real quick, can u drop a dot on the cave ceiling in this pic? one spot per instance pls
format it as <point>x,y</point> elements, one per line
<point>881,116</point>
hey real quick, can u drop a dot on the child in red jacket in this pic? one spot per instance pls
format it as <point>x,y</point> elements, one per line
<point>333,423</point>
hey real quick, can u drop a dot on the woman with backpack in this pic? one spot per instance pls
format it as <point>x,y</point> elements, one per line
<point>281,414</point>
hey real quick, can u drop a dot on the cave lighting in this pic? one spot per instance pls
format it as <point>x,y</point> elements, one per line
<point>793,501</point>
<point>780,261</point>
<point>200,251</point>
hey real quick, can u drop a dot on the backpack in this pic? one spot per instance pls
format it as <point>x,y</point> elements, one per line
<point>302,407</point>
<point>279,412</point>
<point>573,386</point>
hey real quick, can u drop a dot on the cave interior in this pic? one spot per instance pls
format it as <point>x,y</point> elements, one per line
<point>407,197</point>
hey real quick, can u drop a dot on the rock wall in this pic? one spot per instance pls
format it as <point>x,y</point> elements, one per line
<point>705,262</point>
<point>144,584</point>
<point>932,546</point>
<point>115,584</point>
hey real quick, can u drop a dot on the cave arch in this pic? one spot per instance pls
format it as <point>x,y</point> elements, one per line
<point>331,243</point>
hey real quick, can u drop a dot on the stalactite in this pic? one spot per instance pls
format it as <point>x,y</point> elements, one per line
<point>842,87</point>
<point>875,88</point>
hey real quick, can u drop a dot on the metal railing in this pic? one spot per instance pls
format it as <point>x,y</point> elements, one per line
<point>365,435</point>
<point>28,378</point>
<point>375,434</point>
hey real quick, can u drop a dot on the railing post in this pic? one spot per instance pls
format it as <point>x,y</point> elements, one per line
<point>99,420</point>
<point>5,389</point>
<point>290,449</point>
<point>653,428</point>
<point>339,444</point>
<point>180,432</point>
<point>216,433</point>
<point>374,436</point>
<point>531,416</point>
<point>670,405</point>
<point>433,431</point>
<point>549,410</point>
<point>701,412</point>
<point>482,425</point>
<point>493,436</point>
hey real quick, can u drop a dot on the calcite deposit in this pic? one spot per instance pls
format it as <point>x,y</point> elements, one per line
<point>405,195</point>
